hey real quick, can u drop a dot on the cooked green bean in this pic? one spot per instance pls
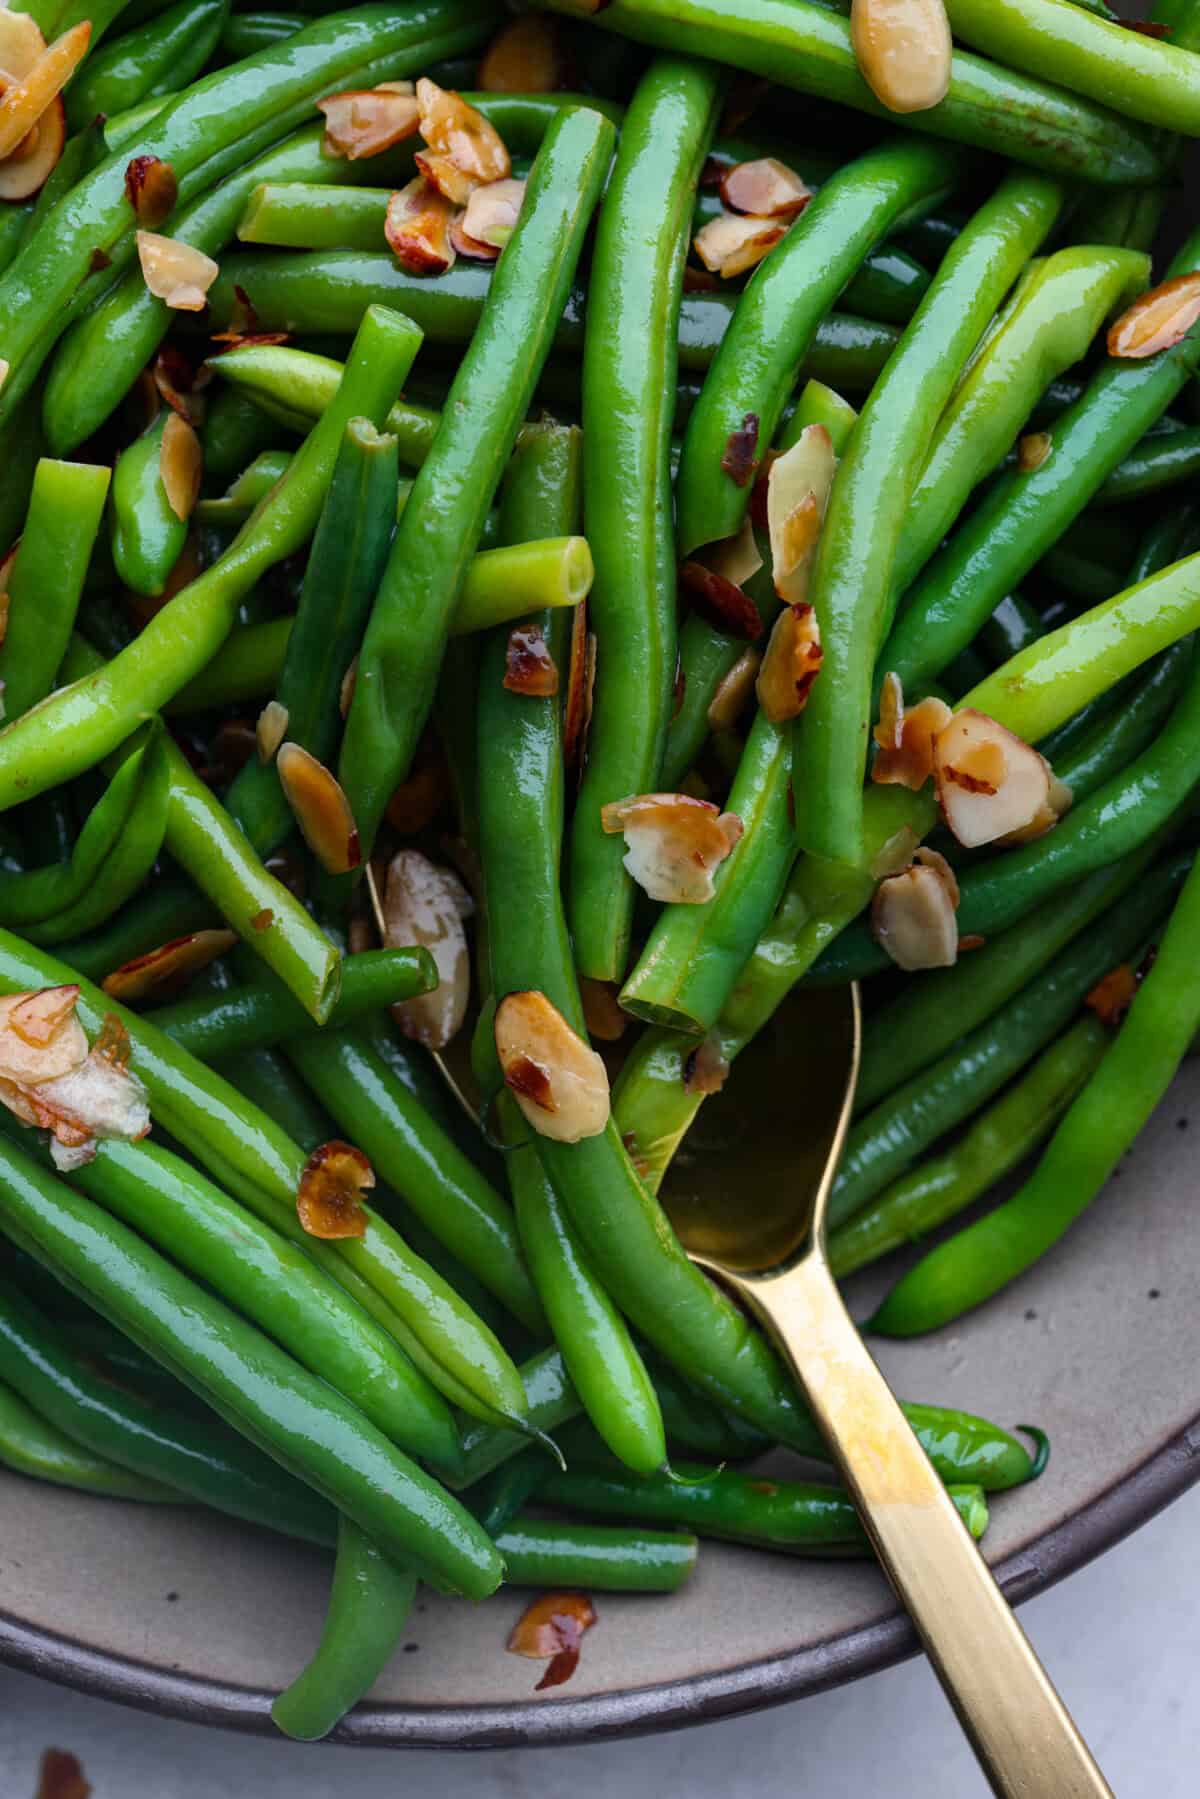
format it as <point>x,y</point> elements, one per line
<point>545,1552</point>
<point>46,581</point>
<point>30,1445</point>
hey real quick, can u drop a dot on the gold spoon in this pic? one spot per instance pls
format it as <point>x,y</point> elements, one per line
<point>784,1113</point>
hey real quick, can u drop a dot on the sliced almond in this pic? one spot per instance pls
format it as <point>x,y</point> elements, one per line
<point>40,1036</point>
<point>23,176</point>
<point>578,705</point>
<point>443,173</point>
<point>365,121</point>
<point>798,489</point>
<point>180,465</point>
<point>21,44</point>
<point>889,732</point>
<point>1032,450</point>
<point>601,1011</point>
<point>1157,319</point>
<point>765,188</point>
<point>1058,802</point>
<point>733,692</point>
<point>164,970</point>
<point>989,782</point>
<point>904,51</point>
<point>462,245</point>
<point>529,668</point>
<point>736,559</point>
<point>176,272</point>
<point>674,843</point>
<point>417,228</point>
<point>731,244</point>
<point>426,905</point>
<point>25,100</point>
<point>552,1627</point>
<point>270,730</point>
<point>329,1198</point>
<point>558,1081</point>
<point>50,1079</point>
<point>907,759</point>
<point>461,134</point>
<point>720,602</point>
<point>524,57</point>
<point>151,189</point>
<point>320,808</point>
<point>492,212</point>
<point>913,918</point>
<point>791,664</point>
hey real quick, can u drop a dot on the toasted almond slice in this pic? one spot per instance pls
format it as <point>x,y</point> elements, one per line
<point>462,245</point>
<point>733,691</point>
<point>151,189</point>
<point>551,1628</point>
<point>934,859</point>
<point>24,103</point>
<point>417,228</point>
<point>889,732</point>
<point>21,45</point>
<point>674,843</point>
<point>320,808</point>
<point>329,1198</point>
<point>23,176</point>
<point>176,272</point>
<point>1032,450</point>
<point>904,51</point>
<point>40,1036</point>
<point>558,1081</point>
<point>735,559</point>
<point>731,244</point>
<point>791,664</point>
<point>459,132</point>
<point>798,489</point>
<point>1058,802</point>
<point>529,668</point>
<point>525,57</point>
<point>989,782</point>
<point>895,854</point>
<point>765,188</point>
<point>720,602</point>
<point>601,1012</point>
<point>913,918</point>
<point>163,970</point>
<point>1157,319</point>
<point>425,905</point>
<point>270,730</point>
<point>581,675</point>
<point>492,212</point>
<point>180,465</point>
<point>365,121</point>
<point>443,173</point>
<point>909,762</point>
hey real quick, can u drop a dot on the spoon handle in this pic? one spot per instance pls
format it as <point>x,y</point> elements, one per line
<point>1022,1733</point>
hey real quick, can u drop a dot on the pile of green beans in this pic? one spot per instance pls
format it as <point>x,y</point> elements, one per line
<point>436,551</point>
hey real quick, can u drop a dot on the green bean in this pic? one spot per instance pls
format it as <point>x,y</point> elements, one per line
<point>30,1445</point>
<point>885,1141</point>
<point>13,222</point>
<point>998,1140</point>
<point>216,126</point>
<point>807,46</point>
<point>756,366</point>
<point>235,432</point>
<point>552,1401</point>
<point>1097,1130</point>
<point>369,1604</point>
<point>167,909</point>
<point>160,57</point>
<point>246,32</point>
<point>303,1423</point>
<point>328,292</point>
<point>544,1552</point>
<point>254,483</point>
<point>1026,512</point>
<point>46,580</point>
<point>148,534</point>
<point>628,386</point>
<point>21,445</point>
<point>796,1517</point>
<point>866,511</point>
<point>81,153</point>
<point>107,1349</point>
<point>440,530</point>
<point>1013,626</point>
<point>298,386</point>
<point>299,216</point>
<point>81,723</point>
<point>246,667</point>
<point>1114,742</point>
<point>1155,463</point>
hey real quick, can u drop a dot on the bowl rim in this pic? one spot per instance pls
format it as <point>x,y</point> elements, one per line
<point>1103,1521</point>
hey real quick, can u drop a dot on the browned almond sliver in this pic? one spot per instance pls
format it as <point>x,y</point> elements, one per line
<point>270,730</point>
<point>320,808</point>
<point>673,843</point>
<point>179,384</point>
<point>492,212</point>
<point>705,1070</point>
<point>180,465</point>
<point>551,1629</point>
<point>40,1036</point>
<point>329,1199</point>
<point>989,782</point>
<point>461,134</point>
<point>61,1776</point>
<point>791,664</point>
<point>889,732</point>
<point>731,244</point>
<point>529,668</point>
<point>734,558</point>
<point>21,44</point>
<point>602,1014</point>
<point>557,1080</point>
<point>798,489</point>
<point>733,691</point>
<point>1112,996</point>
<point>907,760</point>
<point>25,172</point>
<point>524,57</point>
<point>365,121</point>
<point>426,905</point>
<point>1157,319</point>
<point>903,49</point>
<point>26,100</point>
<point>578,704</point>
<point>913,918</point>
<point>1058,803</point>
<point>739,459</point>
<point>151,189</point>
<point>462,245</point>
<point>417,228</point>
<point>168,967</point>
<point>1032,450</point>
<point>176,272</point>
<point>720,602</point>
<point>766,188</point>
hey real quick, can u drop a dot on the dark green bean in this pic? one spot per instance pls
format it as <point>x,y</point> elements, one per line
<point>46,580</point>
<point>30,1445</point>
<point>160,57</point>
<point>544,1552</point>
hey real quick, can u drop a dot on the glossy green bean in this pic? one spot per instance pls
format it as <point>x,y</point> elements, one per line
<point>246,32</point>
<point>46,580</point>
<point>298,385</point>
<point>235,432</point>
<point>147,533</point>
<point>167,909</point>
<point>162,56</point>
<point>32,1446</point>
<point>1155,463</point>
<point>440,529</point>
<point>28,897</point>
<point>254,483</point>
<point>554,1553</point>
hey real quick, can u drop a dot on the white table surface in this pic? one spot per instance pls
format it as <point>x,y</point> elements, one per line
<point>1121,1637</point>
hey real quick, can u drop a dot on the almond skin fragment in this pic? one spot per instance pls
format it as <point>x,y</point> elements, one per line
<point>552,1629</point>
<point>163,970</point>
<point>766,188</point>
<point>417,228</point>
<point>720,602</point>
<point>798,487</point>
<point>557,1080</point>
<point>577,707</point>
<point>733,691</point>
<point>791,664</point>
<point>602,1014</point>
<point>731,244</point>
<point>989,782</point>
<point>912,916</point>
<point>151,189</point>
<point>426,905</point>
<point>320,808</point>
<point>674,843</point>
<point>1157,319</point>
<point>529,668</point>
<point>903,49</point>
<point>176,272</point>
<point>180,466</point>
<point>740,456</point>
<point>329,1199</point>
<point>1112,996</point>
<point>365,121</point>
